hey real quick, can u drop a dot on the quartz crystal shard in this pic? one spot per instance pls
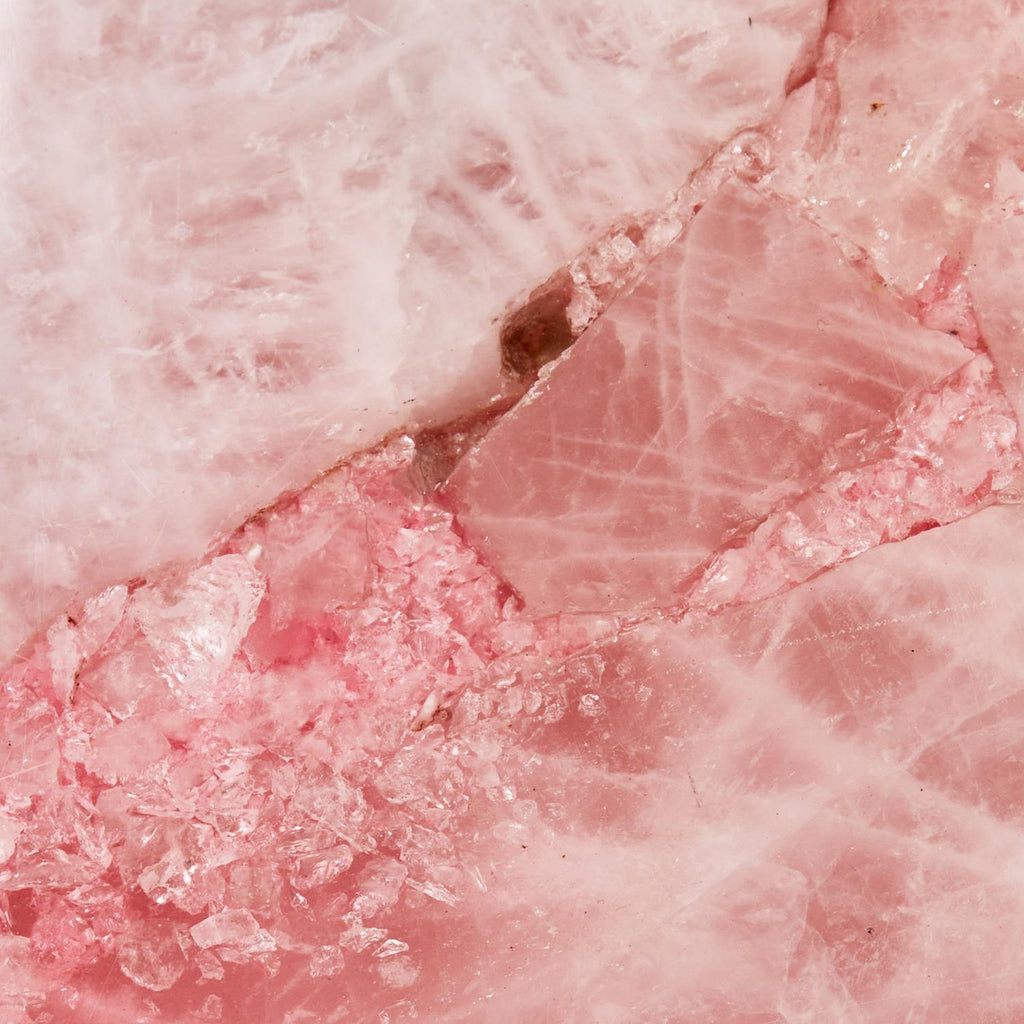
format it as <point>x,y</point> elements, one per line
<point>749,361</point>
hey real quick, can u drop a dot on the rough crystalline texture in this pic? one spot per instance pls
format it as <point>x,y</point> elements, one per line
<point>686,688</point>
<point>898,140</point>
<point>997,277</point>
<point>243,239</point>
<point>749,360</point>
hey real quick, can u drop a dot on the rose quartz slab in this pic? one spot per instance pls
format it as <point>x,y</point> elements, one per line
<point>242,241</point>
<point>911,112</point>
<point>681,704</point>
<point>720,386</point>
<point>806,807</point>
<point>798,809</point>
<point>996,278</point>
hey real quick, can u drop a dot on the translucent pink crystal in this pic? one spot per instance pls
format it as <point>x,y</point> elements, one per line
<point>362,683</point>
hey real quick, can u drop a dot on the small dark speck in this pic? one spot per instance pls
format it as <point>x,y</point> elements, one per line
<point>750,22</point>
<point>524,847</point>
<point>911,650</point>
<point>871,931</point>
<point>693,787</point>
<point>876,106</point>
<point>563,855</point>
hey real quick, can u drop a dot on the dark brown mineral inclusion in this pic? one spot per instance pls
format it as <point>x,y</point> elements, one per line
<point>539,330</point>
